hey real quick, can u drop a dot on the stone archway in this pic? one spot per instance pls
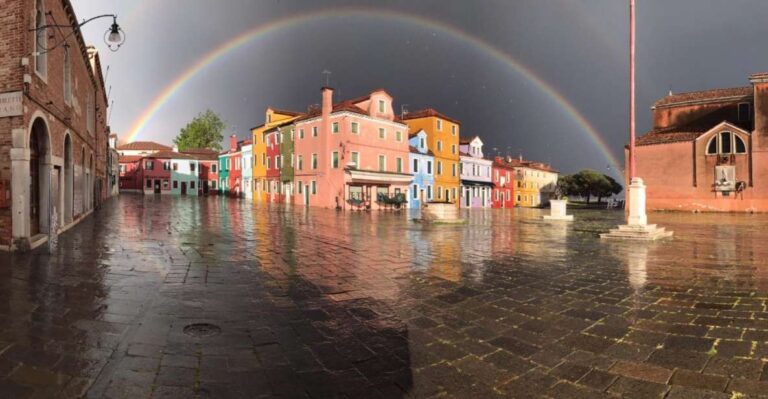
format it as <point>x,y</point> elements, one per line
<point>69,181</point>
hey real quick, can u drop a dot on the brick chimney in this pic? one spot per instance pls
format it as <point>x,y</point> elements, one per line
<point>232,143</point>
<point>760,85</point>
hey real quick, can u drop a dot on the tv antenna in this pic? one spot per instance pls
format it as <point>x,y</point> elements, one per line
<point>403,110</point>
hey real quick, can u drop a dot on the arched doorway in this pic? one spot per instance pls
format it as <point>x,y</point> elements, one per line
<point>39,178</point>
<point>91,185</point>
<point>69,181</point>
<point>83,184</point>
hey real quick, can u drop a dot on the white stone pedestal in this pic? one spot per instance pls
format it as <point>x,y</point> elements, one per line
<point>637,227</point>
<point>557,211</point>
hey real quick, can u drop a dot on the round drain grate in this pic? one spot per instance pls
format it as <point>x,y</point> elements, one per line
<point>202,330</point>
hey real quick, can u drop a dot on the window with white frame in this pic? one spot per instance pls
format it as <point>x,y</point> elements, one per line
<point>399,136</point>
<point>382,163</point>
<point>429,167</point>
<point>399,164</point>
<point>335,159</point>
<point>301,133</point>
<point>381,105</point>
<point>725,143</point>
<point>453,130</point>
<point>314,161</point>
<point>355,127</point>
<point>314,131</point>
<point>335,127</point>
<point>355,158</point>
<point>415,191</point>
<point>382,133</point>
<point>300,162</point>
<point>439,124</point>
<point>439,167</point>
<point>415,165</point>
<point>439,145</point>
<point>314,187</point>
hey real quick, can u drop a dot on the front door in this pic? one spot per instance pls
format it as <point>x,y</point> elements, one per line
<point>34,186</point>
<point>467,197</point>
<point>157,186</point>
<point>205,187</point>
<point>183,188</point>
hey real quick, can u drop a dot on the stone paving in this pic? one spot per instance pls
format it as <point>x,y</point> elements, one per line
<point>363,305</point>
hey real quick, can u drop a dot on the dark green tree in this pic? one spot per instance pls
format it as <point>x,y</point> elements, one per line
<point>204,131</point>
<point>589,183</point>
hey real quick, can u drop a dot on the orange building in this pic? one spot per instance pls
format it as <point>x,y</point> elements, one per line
<point>272,118</point>
<point>443,140</point>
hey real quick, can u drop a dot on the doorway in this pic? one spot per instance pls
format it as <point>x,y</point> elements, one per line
<point>183,188</point>
<point>157,186</point>
<point>34,184</point>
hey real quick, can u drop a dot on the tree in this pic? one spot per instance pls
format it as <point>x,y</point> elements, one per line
<point>204,131</point>
<point>588,183</point>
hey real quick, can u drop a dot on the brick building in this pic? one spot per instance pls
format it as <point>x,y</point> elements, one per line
<point>708,150</point>
<point>53,132</point>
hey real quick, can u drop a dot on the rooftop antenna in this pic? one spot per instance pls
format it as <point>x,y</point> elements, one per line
<point>106,74</point>
<point>670,90</point>
<point>327,74</point>
<point>109,92</point>
<point>403,110</point>
<point>111,107</point>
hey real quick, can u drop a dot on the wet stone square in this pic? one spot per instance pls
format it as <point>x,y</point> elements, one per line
<point>222,298</point>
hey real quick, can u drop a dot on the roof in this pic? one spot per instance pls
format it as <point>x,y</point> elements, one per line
<point>284,112</point>
<point>416,151</point>
<point>425,113</point>
<point>464,140</point>
<point>143,146</point>
<point>518,163</point>
<point>129,158</point>
<point>705,95</point>
<point>169,155</point>
<point>692,130</point>
<point>203,154</point>
<point>346,105</point>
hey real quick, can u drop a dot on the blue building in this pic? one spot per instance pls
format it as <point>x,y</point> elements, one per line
<point>422,166</point>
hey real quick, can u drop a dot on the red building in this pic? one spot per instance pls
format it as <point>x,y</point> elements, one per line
<point>155,170</point>
<point>131,178</point>
<point>274,163</point>
<point>233,168</point>
<point>708,150</point>
<point>503,175</point>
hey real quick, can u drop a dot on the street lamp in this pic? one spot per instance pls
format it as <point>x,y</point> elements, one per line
<point>114,37</point>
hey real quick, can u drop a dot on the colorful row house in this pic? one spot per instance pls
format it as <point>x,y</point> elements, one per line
<point>476,182</point>
<point>231,168</point>
<point>443,134</point>
<point>274,162</point>
<point>169,172</point>
<point>503,184</point>
<point>273,117</point>
<point>535,182</point>
<point>246,149</point>
<point>353,154</point>
<point>422,162</point>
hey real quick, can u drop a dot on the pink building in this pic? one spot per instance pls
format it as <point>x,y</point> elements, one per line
<point>353,154</point>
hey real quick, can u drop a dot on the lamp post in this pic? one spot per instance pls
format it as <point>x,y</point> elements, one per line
<point>114,37</point>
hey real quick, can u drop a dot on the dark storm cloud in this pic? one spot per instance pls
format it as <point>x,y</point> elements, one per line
<point>577,46</point>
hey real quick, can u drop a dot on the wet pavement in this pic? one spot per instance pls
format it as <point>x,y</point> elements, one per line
<point>217,298</point>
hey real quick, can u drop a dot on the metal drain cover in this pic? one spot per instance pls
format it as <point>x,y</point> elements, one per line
<point>202,330</point>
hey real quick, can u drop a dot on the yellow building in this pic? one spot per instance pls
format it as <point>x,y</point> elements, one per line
<point>534,183</point>
<point>272,118</point>
<point>443,140</point>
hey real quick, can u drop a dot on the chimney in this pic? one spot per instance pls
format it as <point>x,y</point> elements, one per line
<point>327,105</point>
<point>232,143</point>
<point>760,110</point>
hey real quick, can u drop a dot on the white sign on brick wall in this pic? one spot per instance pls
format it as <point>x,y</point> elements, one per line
<point>10,104</point>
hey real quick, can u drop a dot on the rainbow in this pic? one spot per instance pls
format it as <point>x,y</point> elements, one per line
<point>262,31</point>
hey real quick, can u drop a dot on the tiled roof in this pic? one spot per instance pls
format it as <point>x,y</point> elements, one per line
<point>427,113</point>
<point>517,163</point>
<point>203,154</point>
<point>143,146</point>
<point>694,129</point>
<point>714,94</point>
<point>129,158</point>
<point>170,155</point>
<point>338,107</point>
<point>284,112</point>
<point>416,151</point>
<point>465,140</point>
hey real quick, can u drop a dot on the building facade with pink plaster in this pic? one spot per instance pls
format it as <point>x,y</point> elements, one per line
<point>352,154</point>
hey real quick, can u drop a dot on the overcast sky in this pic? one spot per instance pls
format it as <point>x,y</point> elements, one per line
<point>578,47</point>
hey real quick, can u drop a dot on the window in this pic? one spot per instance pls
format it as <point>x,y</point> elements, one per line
<point>335,160</point>
<point>314,187</point>
<point>192,166</point>
<point>300,163</point>
<point>429,192</point>
<point>453,149</point>
<point>301,133</point>
<point>292,160</point>
<point>381,105</point>
<point>314,161</point>
<point>192,185</point>
<point>439,124</point>
<point>429,167</point>
<point>175,184</point>
<point>213,184</point>
<point>314,131</point>
<point>335,127</point>
<point>165,184</point>
<point>67,76</point>
<point>278,161</point>
<point>355,128</point>
<point>453,170</point>
<point>399,163</point>
<point>382,163</point>
<point>415,166</point>
<point>415,191</point>
<point>399,136</point>
<point>726,143</point>
<point>269,118</point>
<point>439,167</point>
<point>382,133</point>
<point>453,130</point>
<point>213,168</point>
<point>90,112</point>
<point>41,57</point>
<point>356,193</point>
<point>422,143</point>
<point>264,159</point>
<point>439,145</point>
<point>355,158</point>
<point>292,135</point>
<point>439,193</point>
<point>175,166</point>
<point>149,183</point>
<point>149,165</point>
<point>745,111</point>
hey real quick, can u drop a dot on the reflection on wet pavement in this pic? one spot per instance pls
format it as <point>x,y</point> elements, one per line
<point>325,304</point>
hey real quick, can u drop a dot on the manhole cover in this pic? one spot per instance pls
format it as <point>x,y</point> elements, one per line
<point>202,330</point>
